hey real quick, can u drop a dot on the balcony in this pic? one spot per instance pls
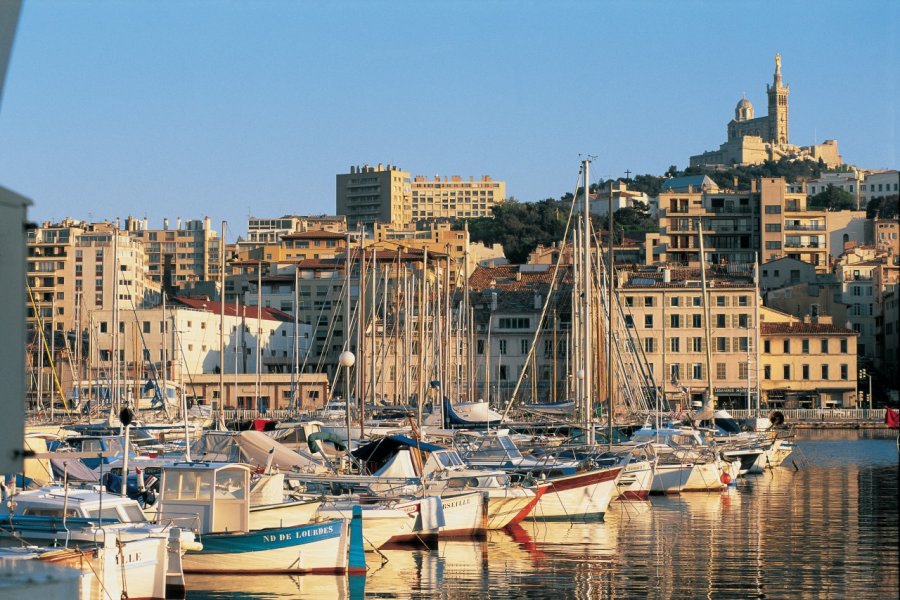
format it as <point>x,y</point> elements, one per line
<point>804,246</point>
<point>731,210</point>
<point>800,227</point>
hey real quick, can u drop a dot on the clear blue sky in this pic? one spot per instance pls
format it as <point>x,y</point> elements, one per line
<point>168,109</point>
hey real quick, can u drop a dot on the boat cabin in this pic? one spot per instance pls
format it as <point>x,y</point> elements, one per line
<point>684,438</point>
<point>214,495</point>
<point>87,505</point>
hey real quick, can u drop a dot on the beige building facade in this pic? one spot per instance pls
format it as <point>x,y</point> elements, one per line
<point>71,273</point>
<point>387,194</point>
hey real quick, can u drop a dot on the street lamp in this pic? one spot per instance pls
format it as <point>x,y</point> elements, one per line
<point>347,359</point>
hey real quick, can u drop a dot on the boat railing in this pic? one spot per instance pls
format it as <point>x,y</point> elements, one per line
<point>822,415</point>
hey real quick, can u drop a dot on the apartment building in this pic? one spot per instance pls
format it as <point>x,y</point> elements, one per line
<point>186,340</point>
<point>387,194</point>
<point>807,363</point>
<point>769,221</point>
<point>71,273</point>
<point>262,231</point>
<point>864,274</point>
<point>188,253</point>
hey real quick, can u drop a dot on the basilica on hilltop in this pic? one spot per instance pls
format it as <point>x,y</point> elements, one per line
<point>752,140</point>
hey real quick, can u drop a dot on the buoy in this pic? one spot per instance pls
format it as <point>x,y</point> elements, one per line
<point>726,478</point>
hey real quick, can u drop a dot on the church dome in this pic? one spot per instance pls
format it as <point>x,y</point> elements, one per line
<point>743,111</point>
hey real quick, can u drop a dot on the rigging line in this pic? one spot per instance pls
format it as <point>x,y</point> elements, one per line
<point>146,358</point>
<point>550,291</point>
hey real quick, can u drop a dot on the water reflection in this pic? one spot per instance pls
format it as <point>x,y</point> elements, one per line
<point>828,529</point>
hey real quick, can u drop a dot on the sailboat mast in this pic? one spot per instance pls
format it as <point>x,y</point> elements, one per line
<point>258,330</point>
<point>710,399</point>
<point>221,323</point>
<point>295,368</point>
<point>587,288</point>
<point>611,290</point>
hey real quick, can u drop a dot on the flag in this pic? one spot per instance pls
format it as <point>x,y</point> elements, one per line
<point>148,386</point>
<point>892,418</point>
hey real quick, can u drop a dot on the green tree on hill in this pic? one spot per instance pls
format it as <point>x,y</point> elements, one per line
<point>832,198</point>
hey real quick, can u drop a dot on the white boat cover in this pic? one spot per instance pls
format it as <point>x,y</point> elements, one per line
<point>253,447</point>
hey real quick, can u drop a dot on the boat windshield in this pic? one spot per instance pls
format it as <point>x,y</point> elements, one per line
<point>449,458</point>
<point>500,448</point>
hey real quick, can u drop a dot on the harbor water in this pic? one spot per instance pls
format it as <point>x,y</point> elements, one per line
<point>824,525</point>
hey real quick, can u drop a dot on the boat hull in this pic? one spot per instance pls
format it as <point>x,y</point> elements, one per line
<point>582,496</point>
<point>636,481</point>
<point>505,504</point>
<point>314,548</point>
<point>379,524</point>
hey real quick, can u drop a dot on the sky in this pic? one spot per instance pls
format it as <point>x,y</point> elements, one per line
<point>229,109</point>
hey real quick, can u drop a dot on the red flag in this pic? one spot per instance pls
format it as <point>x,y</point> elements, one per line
<point>892,418</point>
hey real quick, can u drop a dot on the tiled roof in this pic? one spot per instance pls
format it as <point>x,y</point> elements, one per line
<point>231,310</point>
<point>509,278</point>
<point>803,329</point>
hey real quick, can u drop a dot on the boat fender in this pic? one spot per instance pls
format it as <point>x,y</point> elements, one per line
<point>726,478</point>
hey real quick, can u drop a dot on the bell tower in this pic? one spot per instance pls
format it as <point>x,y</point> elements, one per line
<point>778,106</point>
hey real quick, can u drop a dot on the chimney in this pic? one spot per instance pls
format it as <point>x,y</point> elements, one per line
<point>667,275</point>
<point>166,223</point>
<point>493,300</point>
<point>538,302</point>
<point>178,223</point>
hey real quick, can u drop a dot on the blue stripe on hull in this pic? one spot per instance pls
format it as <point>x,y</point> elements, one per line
<point>270,539</point>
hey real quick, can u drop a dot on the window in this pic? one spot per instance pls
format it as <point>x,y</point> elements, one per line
<point>744,321</point>
<point>786,372</point>
<point>825,372</point>
<point>648,345</point>
<point>675,372</point>
<point>514,323</point>
<point>502,346</point>
<point>742,370</point>
<point>805,371</point>
<point>648,301</point>
<point>786,346</point>
<point>721,344</point>
<point>845,373</point>
<point>843,345</point>
<point>675,321</point>
<point>767,346</point>
<point>720,321</point>
<point>102,326</point>
<point>721,301</point>
<point>523,346</point>
<point>697,370</point>
<point>697,344</point>
<point>773,209</point>
<point>696,321</point>
<point>767,372</point>
<point>743,301</point>
<point>773,245</point>
<point>648,321</point>
<point>824,347</point>
<point>773,227</point>
<point>629,321</point>
<point>721,371</point>
<point>804,345</point>
<point>479,347</point>
<point>629,300</point>
<point>675,301</point>
<point>675,344</point>
<point>697,301</point>
<point>146,326</point>
<point>743,344</point>
<point>504,373</point>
